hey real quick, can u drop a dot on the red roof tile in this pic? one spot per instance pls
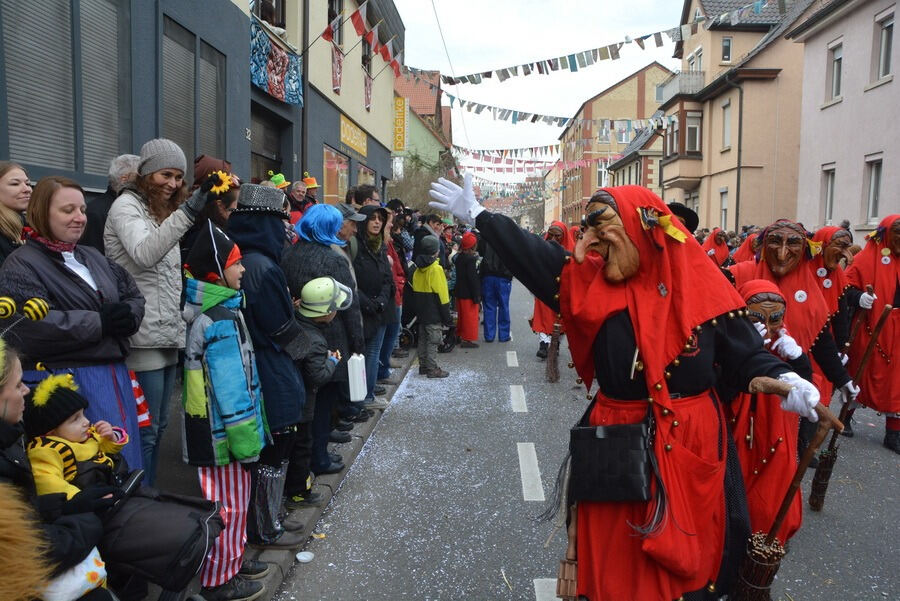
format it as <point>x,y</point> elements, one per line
<point>423,99</point>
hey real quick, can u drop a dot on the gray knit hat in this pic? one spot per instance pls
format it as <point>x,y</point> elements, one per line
<point>262,199</point>
<point>161,154</point>
<point>430,245</point>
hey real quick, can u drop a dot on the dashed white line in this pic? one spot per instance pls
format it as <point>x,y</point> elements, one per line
<point>532,489</point>
<point>512,360</point>
<point>517,398</point>
<point>545,589</point>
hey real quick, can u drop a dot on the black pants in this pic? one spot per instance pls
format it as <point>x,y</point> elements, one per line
<point>326,398</point>
<point>301,455</point>
<point>280,449</point>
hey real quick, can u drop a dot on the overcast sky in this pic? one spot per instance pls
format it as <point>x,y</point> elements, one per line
<point>483,35</point>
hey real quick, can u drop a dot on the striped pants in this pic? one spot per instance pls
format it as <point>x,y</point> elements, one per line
<point>230,486</point>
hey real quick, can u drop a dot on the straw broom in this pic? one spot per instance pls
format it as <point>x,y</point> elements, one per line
<point>567,578</point>
<point>765,551</point>
<point>829,456</point>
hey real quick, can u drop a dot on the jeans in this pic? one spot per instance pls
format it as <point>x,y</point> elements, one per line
<point>391,333</point>
<point>495,301</point>
<point>373,351</point>
<point>157,385</point>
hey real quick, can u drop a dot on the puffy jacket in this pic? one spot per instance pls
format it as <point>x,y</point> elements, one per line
<point>430,296</point>
<point>70,335</point>
<point>375,285</point>
<point>149,251</point>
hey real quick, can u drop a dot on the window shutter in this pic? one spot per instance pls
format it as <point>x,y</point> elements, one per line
<point>37,48</point>
<point>210,103</point>
<point>100,68</point>
<point>178,89</point>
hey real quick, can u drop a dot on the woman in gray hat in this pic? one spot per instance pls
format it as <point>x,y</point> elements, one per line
<point>142,232</point>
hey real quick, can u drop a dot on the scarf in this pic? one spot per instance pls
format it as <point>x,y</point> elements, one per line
<point>54,245</point>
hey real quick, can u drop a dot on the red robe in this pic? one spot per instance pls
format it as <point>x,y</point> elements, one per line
<point>876,266</point>
<point>712,249</point>
<point>544,318</point>
<point>745,252</point>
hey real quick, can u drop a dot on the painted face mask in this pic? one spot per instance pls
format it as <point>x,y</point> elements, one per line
<point>605,234</point>
<point>554,233</point>
<point>783,248</point>
<point>837,252</point>
<point>894,238</point>
<point>767,309</point>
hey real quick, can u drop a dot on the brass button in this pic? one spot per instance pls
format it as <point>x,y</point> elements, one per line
<point>668,375</point>
<point>649,399</point>
<point>764,461</point>
<point>748,438</point>
<point>639,366</point>
<point>658,386</point>
<point>714,322</point>
<point>557,279</point>
<point>712,587</point>
<point>772,450</point>
<point>571,365</point>
<point>579,381</point>
<point>730,315</point>
<point>559,316</point>
<point>556,297</point>
<point>675,424</point>
<point>676,362</point>
<point>755,472</point>
<point>589,397</point>
<point>665,412</point>
<point>668,447</point>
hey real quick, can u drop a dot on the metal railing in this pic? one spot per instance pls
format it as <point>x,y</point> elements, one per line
<point>683,82</point>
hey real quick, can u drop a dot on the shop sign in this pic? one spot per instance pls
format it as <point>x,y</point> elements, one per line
<point>353,136</point>
<point>401,112</point>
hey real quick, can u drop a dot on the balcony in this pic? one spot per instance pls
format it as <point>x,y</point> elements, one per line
<point>684,82</point>
<point>682,171</point>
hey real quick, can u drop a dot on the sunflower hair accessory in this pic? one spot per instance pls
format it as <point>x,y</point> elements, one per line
<point>224,185</point>
<point>49,385</point>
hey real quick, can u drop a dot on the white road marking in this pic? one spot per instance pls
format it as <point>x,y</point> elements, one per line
<point>545,589</point>
<point>517,398</point>
<point>512,360</point>
<point>532,489</point>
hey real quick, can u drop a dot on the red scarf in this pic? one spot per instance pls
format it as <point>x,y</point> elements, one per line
<point>832,282</point>
<point>800,289</point>
<point>675,289</point>
<point>54,245</point>
<point>876,266</point>
<point>745,250</point>
<point>719,250</point>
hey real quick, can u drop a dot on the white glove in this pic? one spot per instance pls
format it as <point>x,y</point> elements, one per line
<point>866,300</point>
<point>453,199</point>
<point>851,391</point>
<point>844,358</point>
<point>803,397</point>
<point>761,328</point>
<point>786,347</point>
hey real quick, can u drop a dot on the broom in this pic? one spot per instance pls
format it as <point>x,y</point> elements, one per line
<point>567,578</point>
<point>552,368</point>
<point>829,456</point>
<point>765,551</point>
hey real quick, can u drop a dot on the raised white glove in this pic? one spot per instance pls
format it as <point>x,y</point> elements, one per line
<point>761,328</point>
<point>786,347</point>
<point>844,358</point>
<point>851,391</point>
<point>866,300</point>
<point>803,397</point>
<point>453,199</point>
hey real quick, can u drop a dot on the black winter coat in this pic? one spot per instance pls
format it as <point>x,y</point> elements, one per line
<point>375,285</point>
<point>468,284</point>
<point>310,354</point>
<point>97,210</point>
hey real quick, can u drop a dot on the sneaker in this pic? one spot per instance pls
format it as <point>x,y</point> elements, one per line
<point>468,344</point>
<point>362,416</point>
<point>236,589</point>
<point>398,354</point>
<point>334,468</point>
<point>344,426</point>
<point>287,540</point>
<point>423,371</point>
<point>307,499</point>
<point>542,350</point>
<point>437,372</point>
<point>376,403</point>
<point>379,390</point>
<point>338,436</point>
<point>486,340</point>
<point>252,569</point>
<point>446,348</point>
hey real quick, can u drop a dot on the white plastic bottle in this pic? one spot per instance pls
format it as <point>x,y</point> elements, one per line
<point>356,368</point>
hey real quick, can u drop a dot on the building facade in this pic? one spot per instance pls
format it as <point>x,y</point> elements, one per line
<point>634,97</point>
<point>639,164</point>
<point>849,65</point>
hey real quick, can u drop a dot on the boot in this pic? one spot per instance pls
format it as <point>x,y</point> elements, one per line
<point>807,431</point>
<point>892,440</point>
<point>267,488</point>
<point>542,350</point>
<point>236,589</point>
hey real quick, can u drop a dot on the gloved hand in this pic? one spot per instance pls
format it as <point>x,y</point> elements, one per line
<point>844,358</point>
<point>116,319</point>
<point>761,328</point>
<point>866,300</point>
<point>803,397</point>
<point>459,201</point>
<point>851,391</point>
<point>193,205</point>
<point>92,499</point>
<point>786,347</point>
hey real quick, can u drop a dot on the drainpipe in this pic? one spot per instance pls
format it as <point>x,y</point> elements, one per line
<point>737,193</point>
<point>303,121</point>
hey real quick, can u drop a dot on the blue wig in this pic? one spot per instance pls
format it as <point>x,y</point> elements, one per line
<point>321,223</point>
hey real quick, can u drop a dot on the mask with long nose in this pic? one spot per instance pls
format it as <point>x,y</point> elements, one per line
<point>837,252</point>
<point>605,234</point>
<point>894,238</point>
<point>783,248</point>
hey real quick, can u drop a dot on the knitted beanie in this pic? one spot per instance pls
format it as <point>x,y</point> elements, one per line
<point>430,245</point>
<point>161,154</point>
<point>212,252</point>
<point>468,241</point>
<point>54,400</point>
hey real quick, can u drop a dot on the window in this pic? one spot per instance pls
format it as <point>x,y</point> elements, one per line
<point>623,132</point>
<point>699,56</point>
<point>836,55</point>
<point>364,175</point>
<point>691,63</point>
<point>335,8</point>
<point>723,207</point>
<point>270,11</point>
<point>828,194</point>
<point>366,56</point>
<point>603,135</point>
<point>726,125</point>
<point>193,102</point>
<point>726,50</point>
<point>82,118</point>
<point>885,35</point>
<point>659,93</point>
<point>873,190</point>
<point>692,142</point>
<point>336,176</point>
<point>397,167</point>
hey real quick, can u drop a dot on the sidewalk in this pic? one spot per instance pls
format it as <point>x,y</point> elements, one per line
<point>283,560</point>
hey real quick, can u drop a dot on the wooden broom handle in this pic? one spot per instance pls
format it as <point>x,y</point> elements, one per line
<point>572,531</point>
<point>768,385</point>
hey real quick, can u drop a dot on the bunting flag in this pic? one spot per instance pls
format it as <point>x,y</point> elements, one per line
<point>272,67</point>
<point>372,37</point>
<point>367,79</point>
<point>337,68</point>
<point>395,64</point>
<point>328,34</point>
<point>358,18</point>
<point>386,52</point>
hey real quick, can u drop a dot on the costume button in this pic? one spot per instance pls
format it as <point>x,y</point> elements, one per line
<point>589,397</point>
<point>557,279</point>
<point>579,381</point>
<point>714,321</point>
<point>772,450</point>
<point>556,297</point>
<point>748,438</point>
<point>764,461</point>
<point>675,424</point>
<point>821,272</point>
<point>731,314</point>
<point>571,365</point>
<point>665,412</point>
<point>668,447</point>
<point>658,386</point>
<point>649,399</point>
<point>712,587</point>
<point>668,375</point>
<point>639,366</point>
<point>676,362</point>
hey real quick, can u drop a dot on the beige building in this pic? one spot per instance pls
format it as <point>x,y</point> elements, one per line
<point>849,66</point>
<point>634,97</point>
<point>552,195</point>
<point>732,140</point>
<point>639,164</point>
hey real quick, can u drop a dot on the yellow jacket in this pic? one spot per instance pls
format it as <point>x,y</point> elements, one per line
<point>54,460</point>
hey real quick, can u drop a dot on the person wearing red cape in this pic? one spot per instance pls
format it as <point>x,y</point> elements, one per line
<point>467,291</point>
<point>716,247</point>
<point>766,435</point>
<point>543,318</point>
<point>747,250</point>
<point>878,265</point>
<point>640,326</point>
<point>784,257</point>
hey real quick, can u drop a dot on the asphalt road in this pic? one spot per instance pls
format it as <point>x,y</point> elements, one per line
<point>441,502</point>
